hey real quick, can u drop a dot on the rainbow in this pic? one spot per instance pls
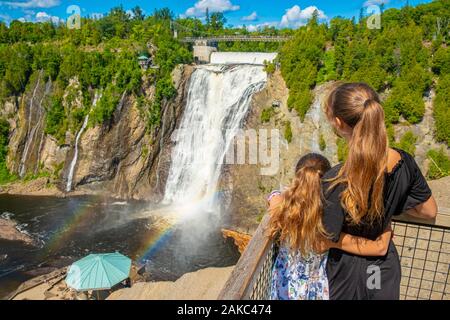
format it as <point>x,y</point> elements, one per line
<point>150,242</point>
<point>67,229</point>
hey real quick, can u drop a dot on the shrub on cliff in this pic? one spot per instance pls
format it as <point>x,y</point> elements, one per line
<point>267,114</point>
<point>407,143</point>
<point>288,132</point>
<point>5,176</point>
<point>439,164</point>
<point>56,120</point>
<point>342,149</point>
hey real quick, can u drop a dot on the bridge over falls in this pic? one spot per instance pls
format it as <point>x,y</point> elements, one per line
<point>241,38</point>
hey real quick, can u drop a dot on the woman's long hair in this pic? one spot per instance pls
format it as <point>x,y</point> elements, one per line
<point>298,220</point>
<point>358,106</point>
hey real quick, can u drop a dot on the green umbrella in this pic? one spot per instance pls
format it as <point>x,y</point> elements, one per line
<point>98,271</point>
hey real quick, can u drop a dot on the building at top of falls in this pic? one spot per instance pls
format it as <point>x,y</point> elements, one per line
<point>257,58</point>
<point>203,52</point>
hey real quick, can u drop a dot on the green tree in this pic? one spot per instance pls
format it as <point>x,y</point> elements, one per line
<point>138,14</point>
<point>442,110</point>
<point>217,21</point>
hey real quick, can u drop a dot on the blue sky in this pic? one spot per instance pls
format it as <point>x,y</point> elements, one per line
<point>280,13</point>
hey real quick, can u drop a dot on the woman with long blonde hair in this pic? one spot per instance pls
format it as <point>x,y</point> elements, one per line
<point>296,222</point>
<point>363,194</point>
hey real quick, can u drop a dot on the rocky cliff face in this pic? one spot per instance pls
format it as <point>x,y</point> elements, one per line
<point>119,158</point>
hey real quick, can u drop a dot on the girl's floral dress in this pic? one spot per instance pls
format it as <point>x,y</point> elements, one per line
<point>295,277</point>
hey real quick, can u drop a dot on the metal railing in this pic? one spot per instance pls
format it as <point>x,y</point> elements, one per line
<point>424,251</point>
<point>236,38</point>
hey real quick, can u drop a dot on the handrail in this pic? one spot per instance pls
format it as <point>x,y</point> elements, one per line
<point>442,219</point>
<point>243,280</point>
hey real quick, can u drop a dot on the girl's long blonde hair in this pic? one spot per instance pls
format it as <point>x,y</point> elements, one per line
<point>358,106</point>
<point>298,220</point>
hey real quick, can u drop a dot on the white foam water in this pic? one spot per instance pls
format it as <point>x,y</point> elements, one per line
<point>218,100</point>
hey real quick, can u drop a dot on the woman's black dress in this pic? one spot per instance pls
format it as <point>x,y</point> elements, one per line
<point>354,277</point>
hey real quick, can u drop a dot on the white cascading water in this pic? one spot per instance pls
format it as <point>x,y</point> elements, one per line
<point>29,139</point>
<point>315,116</point>
<point>77,139</point>
<point>218,100</point>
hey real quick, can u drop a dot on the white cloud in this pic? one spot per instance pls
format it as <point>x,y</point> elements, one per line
<point>296,17</point>
<point>199,8</point>
<point>369,3</point>
<point>44,17</point>
<point>31,3</point>
<point>257,27</point>
<point>251,17</point>
<point>5,17</point>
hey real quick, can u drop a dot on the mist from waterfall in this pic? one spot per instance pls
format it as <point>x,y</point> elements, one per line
<point>218,100</point>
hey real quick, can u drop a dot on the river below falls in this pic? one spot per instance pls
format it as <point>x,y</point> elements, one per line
<point>67,229</point>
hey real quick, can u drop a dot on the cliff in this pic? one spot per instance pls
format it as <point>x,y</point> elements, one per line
<point>119,158</point>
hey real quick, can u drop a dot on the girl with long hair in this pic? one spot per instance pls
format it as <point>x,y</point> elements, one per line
<point>363,194</point>
<point>296,222</point>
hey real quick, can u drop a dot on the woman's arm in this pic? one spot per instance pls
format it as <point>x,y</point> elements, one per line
<point>426,210</point>
<point>362,246</point>
<point>347,242</point>
<point>275,201</point>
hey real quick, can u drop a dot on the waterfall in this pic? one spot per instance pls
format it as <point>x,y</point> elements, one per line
<point>316,118</point>
<point>77,139</point>
<point>218,100</point>
<point>29,137</point>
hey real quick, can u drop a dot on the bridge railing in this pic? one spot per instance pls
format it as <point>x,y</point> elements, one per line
<point>236,38</point>
<point>424,251</point>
